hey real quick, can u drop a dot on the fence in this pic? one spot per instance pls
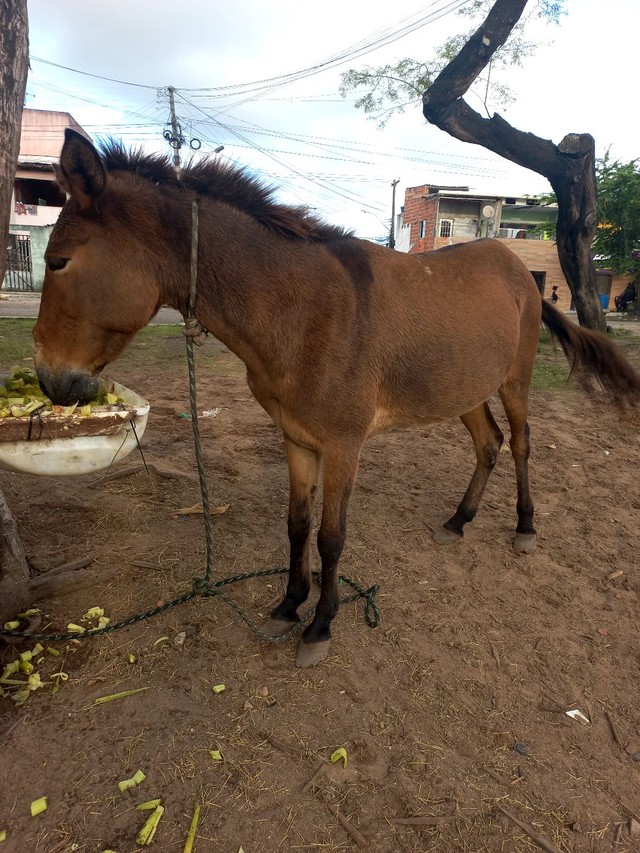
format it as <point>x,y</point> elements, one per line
<point>19,275</point>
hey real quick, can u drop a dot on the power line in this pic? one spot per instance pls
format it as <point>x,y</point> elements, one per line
<point>353,52</point>
<point>89,74</point>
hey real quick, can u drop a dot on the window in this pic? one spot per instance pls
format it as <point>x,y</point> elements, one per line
<point>37,192</point>
<point>423,228</point>
<point>446,227</point>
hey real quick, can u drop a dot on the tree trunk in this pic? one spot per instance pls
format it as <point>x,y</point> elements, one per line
<point>14,63</point>
<point>569,167</point>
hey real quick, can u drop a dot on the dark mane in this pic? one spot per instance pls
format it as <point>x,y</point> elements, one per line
<point>224,182</point>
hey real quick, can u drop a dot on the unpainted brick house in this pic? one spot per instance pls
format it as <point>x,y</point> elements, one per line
<point>435,216</point>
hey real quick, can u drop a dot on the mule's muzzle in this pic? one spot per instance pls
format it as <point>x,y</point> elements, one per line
<point>68,387</point>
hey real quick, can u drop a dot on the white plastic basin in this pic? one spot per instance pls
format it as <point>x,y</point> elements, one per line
<point>60,457</point>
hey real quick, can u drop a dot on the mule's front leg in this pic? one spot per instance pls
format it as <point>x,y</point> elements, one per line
<point>339,477</point>
<point>303,483</point>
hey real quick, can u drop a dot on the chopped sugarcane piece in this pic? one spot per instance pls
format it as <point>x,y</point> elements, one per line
<point>102,699</point>
<point>340,753</point>
<point>93,613</point>
<point>191,835</point>
<point>136,779</point>
<point>38,806</point>
<point>12,626</point>
<point>72,628</point>
<point>150,804</point>
<point>145,836</point>
<point>219,688</point>
<point>12,668</point>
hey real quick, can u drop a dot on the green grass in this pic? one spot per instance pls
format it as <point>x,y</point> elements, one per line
<point>163,344</point>
<point>16,342</point>
<point>551,370</point>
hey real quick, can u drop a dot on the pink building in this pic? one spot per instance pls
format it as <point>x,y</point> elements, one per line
<point>37,199</point>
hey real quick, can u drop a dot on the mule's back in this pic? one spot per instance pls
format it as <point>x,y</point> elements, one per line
<point>452,323</point>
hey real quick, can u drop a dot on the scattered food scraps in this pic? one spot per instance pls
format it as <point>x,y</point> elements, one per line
<point>149,804</point>
<point>38,806</point>
<point>102,699</point>
<point>145,836</point>
<point>137,778</point>
<point>340,753</point>
<point>191,835</point>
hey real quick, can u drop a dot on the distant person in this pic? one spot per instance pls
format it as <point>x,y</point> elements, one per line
<point>554,294</point>
<point>629,294</point>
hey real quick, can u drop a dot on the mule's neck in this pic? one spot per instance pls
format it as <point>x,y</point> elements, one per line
<point>249,289</point>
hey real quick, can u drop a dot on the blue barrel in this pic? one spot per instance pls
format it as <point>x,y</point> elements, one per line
<point>604,301</point>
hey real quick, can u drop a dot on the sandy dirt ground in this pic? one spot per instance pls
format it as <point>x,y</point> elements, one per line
<point>452,712</point>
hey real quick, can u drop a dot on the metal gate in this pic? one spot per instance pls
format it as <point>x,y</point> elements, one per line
<point>19,268</point>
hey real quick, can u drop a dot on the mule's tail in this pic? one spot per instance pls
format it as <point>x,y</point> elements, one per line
<point>593,354</point>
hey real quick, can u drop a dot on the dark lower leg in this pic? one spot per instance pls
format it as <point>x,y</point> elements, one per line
<point>339,476</point>
<point>299,527</point>
<point>330,548</point>
<point>487,440</point>
<point>520,448</point>
<point>516,406</point>
<point>303,476</point>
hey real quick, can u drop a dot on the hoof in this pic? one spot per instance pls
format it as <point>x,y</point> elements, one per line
<point>310,654</point>
<point>277,627</point>
<point>524,543</point>
<point>442,536</point>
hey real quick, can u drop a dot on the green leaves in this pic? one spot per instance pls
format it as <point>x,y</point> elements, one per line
<point>618,235</point>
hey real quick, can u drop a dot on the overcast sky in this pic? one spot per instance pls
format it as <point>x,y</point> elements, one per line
<point>302,136</point>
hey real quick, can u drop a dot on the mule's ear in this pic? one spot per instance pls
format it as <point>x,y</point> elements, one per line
<point>83,175</point>
<point>61,180</point>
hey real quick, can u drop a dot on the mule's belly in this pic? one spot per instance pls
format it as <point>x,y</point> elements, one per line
<point>427,391</point>
<point>387,419</point>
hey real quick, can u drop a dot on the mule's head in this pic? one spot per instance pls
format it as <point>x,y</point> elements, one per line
<point>101,283</point>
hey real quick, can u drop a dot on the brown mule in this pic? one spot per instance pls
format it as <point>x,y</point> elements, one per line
<point>341,338</point>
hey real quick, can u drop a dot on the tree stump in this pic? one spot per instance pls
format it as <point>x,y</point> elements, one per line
<point>18,590</point>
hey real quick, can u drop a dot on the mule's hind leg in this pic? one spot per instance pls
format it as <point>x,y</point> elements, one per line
<point>516,405</point>
<point>303,467</point>
<point>487,439</point>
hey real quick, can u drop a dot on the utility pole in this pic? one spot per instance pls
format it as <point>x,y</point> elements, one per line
<point>392,230</point>
<point>175,132</point>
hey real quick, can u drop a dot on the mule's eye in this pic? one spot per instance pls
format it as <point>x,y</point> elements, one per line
<point>56,264</point>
